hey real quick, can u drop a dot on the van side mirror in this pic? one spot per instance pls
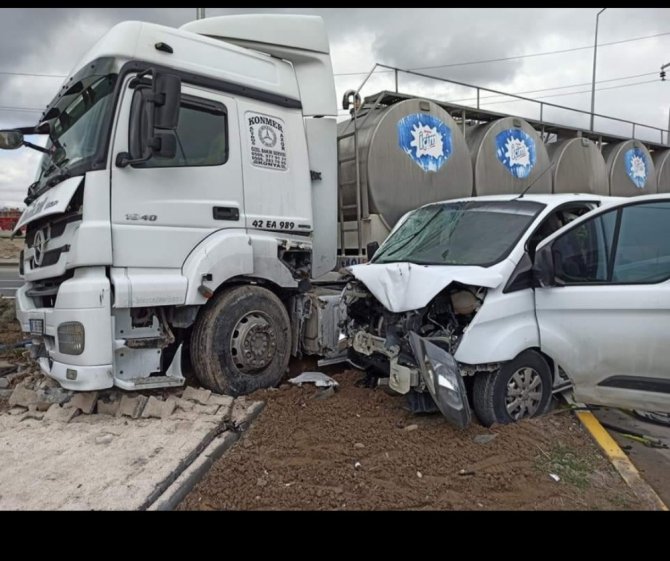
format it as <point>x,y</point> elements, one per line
<point>543,267</point>
<point>371,249</point>
<point>153,114</point>
<point>11,140</point>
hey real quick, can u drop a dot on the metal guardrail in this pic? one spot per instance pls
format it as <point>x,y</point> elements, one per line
<point>663,134</point>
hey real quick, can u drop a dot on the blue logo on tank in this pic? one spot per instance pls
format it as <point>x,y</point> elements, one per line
<point>516,151</point>
<point>637,166</point>
<point>425,139</point>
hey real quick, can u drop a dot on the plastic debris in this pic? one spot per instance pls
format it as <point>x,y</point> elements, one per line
<point>554,477</point>
<point>317,378</point>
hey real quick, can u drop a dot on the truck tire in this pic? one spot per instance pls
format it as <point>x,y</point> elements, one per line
<point>241,341</point>
<point>520,389</point>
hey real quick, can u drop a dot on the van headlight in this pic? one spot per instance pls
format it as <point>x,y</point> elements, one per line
<point>443,379</point>
<point>71,338</point>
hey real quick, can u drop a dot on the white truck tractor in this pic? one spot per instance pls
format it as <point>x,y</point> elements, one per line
<point>186,196</point>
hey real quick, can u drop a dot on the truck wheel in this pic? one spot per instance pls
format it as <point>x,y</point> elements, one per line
<point>520,389</point>
<point>241,341</point>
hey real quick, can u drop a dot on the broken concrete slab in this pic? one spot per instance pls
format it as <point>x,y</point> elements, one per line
<point>205,409</point>
<point>199,395</point>
<point>18,410</point>
<point>132,406</point>
<point>6,394</point>
<point>23,397</point>
<point>4,383</point>
<point>37,415</point>
<point>222,400</point>
<point>181,403</point>
<point>7,367</point>
<point>107,407</point>
<point>104,439</point>
<point>84,401</point>
<point>60,414</point>
<point>158,408</point>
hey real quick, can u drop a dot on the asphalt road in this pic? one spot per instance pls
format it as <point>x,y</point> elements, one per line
<point>9,280</point>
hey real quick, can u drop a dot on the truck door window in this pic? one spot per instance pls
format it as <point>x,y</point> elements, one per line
<point>201,135</point>
<point>582,255</point>
<point>643,248</point>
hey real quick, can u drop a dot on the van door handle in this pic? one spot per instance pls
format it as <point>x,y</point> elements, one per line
<point>226,213</point>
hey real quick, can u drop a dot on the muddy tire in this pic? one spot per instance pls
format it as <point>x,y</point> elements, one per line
<point>241,341</point>
<point>520,389</point>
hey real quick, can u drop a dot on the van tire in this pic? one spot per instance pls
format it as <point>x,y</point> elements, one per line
<point>491,391</point>
<point>241,341</point>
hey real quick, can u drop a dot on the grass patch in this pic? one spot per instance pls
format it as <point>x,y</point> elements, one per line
<point>572,469</point>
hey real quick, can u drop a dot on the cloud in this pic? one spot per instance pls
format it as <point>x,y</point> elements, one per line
<point>51,41</point>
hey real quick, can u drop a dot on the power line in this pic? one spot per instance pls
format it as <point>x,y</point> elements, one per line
<point>574,93</point>
<point>22,109</point>
<point>34,74</point>
<point>485,61</point>
<point>557,87</point>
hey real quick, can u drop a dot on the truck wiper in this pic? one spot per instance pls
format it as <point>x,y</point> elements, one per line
<point>63,175</point>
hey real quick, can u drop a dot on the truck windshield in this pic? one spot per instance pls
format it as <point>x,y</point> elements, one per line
<point>76,129</point>
<point>459,233</point>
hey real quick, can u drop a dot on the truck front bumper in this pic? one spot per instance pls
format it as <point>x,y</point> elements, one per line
<point>84,298</point>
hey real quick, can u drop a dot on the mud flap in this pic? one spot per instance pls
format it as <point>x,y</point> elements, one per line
<point>443,379</point>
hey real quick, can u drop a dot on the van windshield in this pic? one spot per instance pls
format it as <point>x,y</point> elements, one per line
<point>460,233</point>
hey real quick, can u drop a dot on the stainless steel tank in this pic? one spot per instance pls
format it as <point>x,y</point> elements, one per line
<point>661,159</point>
<point>579,167</point>
<point>508,155</point>
<point>411,153</point>
<point>630,169</point>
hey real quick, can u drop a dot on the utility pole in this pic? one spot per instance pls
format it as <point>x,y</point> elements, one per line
<point>200,13</point>
<point>593,83</point>
<point>667,140</point>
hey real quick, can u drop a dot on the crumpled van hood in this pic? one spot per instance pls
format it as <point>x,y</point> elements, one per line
<point>401,287</point>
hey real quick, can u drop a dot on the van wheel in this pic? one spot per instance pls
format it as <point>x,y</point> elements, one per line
<point>241,341</point>
<point>520,389</point>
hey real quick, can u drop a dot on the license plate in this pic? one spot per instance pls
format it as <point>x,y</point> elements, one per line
<point>36,326</point>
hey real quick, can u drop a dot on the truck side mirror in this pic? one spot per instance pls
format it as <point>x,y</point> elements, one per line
<point>164,145</point>
<point>543,267</point>
<point>166,95</point>
<point>371,249</point>
<point>11,140</point>
<point>153,114</point>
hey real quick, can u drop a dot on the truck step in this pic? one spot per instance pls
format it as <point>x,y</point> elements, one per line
<point>148,383</point>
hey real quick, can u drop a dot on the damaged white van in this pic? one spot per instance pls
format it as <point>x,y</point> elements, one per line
<point>456,309</point>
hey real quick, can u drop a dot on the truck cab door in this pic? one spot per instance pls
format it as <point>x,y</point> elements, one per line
<point>163,208</point>
<point>604,310</point>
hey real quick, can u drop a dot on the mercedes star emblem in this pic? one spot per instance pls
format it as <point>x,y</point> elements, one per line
<point>39,247</point>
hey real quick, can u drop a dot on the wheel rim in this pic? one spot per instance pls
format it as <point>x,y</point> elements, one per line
<point>524,393</point>
<point>253,342</point>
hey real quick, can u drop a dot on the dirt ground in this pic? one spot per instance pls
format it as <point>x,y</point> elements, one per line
<point>10,249</point>
<point>359,449</point>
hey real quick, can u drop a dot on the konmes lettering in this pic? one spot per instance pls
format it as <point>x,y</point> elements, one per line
<point>265,121</point>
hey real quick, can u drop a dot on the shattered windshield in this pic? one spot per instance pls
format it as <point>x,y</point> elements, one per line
<point>460,233</point>
<point>75,131</point>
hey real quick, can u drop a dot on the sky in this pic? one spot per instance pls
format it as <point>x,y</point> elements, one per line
<point>40,46</point>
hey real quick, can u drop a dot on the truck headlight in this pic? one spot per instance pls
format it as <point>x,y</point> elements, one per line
<point>71,338</point>
<point>441,374</point>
